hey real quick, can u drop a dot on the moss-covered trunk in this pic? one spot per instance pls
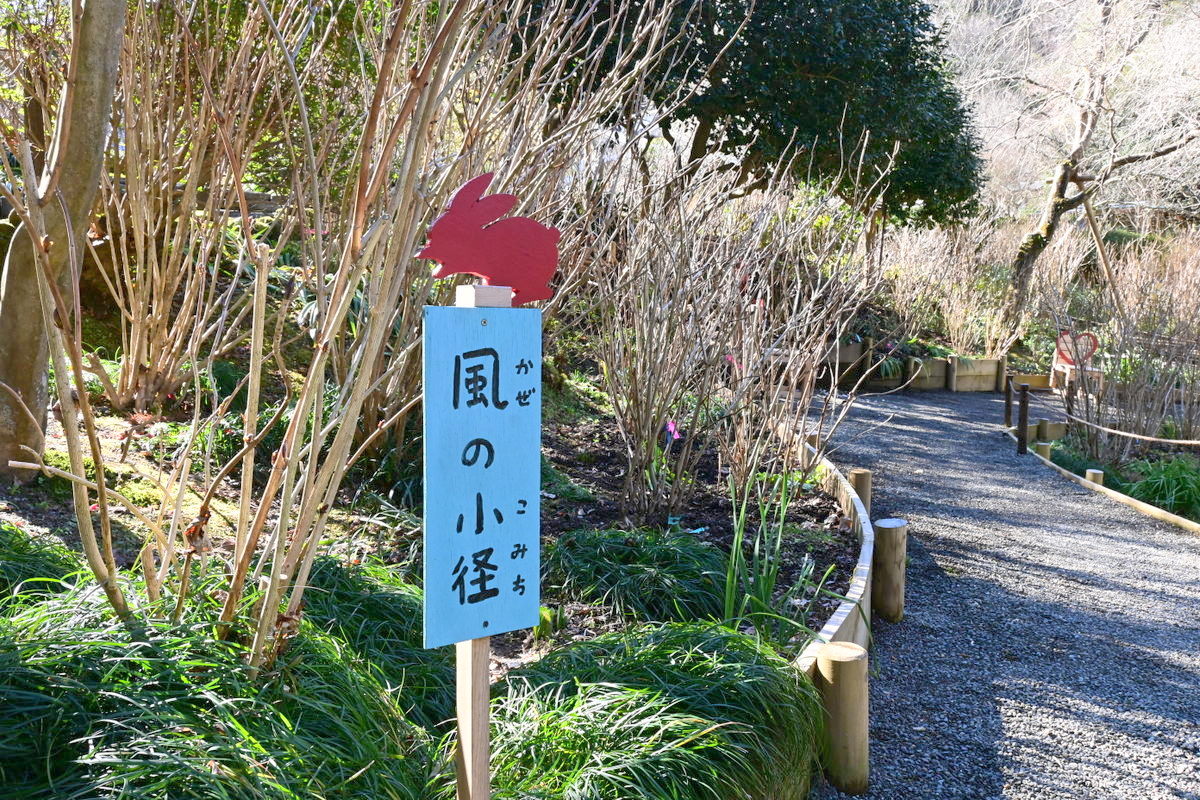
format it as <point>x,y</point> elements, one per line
<point>1036,242</point>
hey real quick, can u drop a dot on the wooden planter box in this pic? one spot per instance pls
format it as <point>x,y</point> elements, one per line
<point>974,374</point>
<point>977,374</point>
<point>931,374</point>
<point>1040,383</point>
<point>882,384</point>
<point>844,354</point>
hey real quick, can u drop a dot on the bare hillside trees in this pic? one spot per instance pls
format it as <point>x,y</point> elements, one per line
<point>1081,101</point>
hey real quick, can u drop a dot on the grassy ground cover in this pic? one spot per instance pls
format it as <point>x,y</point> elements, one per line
<point>633,686</point>
<point>357,709</point>
<point>1169,480</point>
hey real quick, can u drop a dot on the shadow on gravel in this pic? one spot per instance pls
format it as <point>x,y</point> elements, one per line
<point>1051,647</point>
<point>982,693</point>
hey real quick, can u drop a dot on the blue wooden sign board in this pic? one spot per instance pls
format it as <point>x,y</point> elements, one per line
<point>483,433</point>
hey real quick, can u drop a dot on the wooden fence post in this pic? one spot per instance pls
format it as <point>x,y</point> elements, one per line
<point>888,568</point>
<point>1095,476</point>
<point>1023,421</point>
<point>1042,449</point>
<point>1043,430</point>
<point>860,479</point>
<point>1008,398</point>
<point>1001,373</point>
<point>841,680</point>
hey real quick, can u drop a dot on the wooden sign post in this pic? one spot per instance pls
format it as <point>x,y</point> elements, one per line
<point>482,422</point>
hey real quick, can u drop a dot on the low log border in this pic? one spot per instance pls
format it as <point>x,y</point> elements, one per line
<point>1137,505</point>
<point>850,622</point>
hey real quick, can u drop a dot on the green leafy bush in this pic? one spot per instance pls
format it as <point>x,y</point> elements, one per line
<point>1065,456</point>
<point>1172,484</point>
<point>92,710</point>
<point>678,711</point>
<point>649,574</point>
<point>378,616</point>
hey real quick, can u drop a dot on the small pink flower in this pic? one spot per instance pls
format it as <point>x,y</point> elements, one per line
<point>671,429</point>
<point>94,507</point>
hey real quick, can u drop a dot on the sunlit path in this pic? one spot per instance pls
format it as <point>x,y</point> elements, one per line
<point>1051,646</point>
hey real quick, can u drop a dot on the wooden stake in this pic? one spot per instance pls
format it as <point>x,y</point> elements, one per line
<point>1008,398</point>
<point>1043,430</point>
<point>472,658</point>
<point>1043,449</point>
<point>860,479</point>
<point>1023,421</point>
<point>1100,251</point>
<point>1095,476</point>
<point>952,374</point>
<point>841,680</point>
<point>472,695</point>
<point>1001,373</point>
<point>476,295</point>
<point>888,568</point>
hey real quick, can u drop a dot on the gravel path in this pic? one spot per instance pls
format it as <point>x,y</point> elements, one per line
<point>1051,643</point>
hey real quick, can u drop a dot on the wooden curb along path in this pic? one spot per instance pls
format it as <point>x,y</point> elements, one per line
<point>837,659</point>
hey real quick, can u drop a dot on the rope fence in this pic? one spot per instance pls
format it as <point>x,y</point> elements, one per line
<point>1025,395</point>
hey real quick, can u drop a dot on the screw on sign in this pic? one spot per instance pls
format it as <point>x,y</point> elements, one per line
<point>482,420</point>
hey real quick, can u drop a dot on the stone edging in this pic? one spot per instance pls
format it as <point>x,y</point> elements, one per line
<point>1124,499</point>
<point>851,620</point>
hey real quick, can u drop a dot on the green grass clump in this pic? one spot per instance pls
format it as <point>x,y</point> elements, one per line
<point>92,710</point>
<point>561,486</point>
<point>1062,454</point>
<point>649,574</point>
<point>1172,484</point>
<point>682,711</point>
<point>378,615</point>
<point>600,741</point>
<point>30,567</point>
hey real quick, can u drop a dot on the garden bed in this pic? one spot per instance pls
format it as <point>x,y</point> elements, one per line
<point>635,609</point>
<point>582,483</point>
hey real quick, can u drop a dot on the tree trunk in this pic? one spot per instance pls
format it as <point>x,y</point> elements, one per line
<point>1035,243</point>
<point>78,147</point>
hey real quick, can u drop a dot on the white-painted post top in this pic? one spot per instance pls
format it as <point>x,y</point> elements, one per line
<point>476,295</point>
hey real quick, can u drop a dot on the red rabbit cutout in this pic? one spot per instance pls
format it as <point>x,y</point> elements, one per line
<point>471,238</point>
